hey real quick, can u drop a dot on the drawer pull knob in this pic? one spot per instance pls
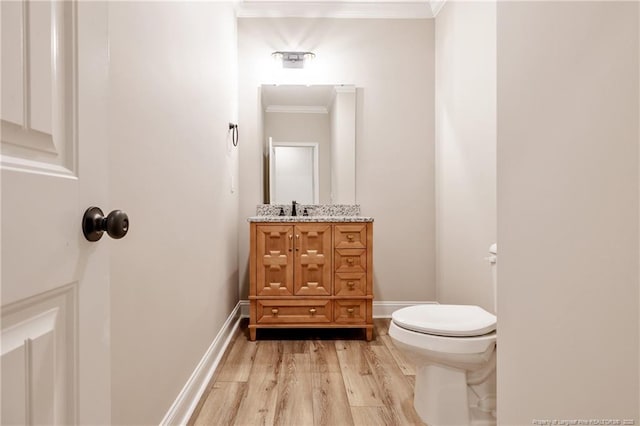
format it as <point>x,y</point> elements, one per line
<point>350,237</point>
<point>350,311</point>
<point>274,311</point>
<point>350,284</point>
<point>312,311</point>
<point>350,261</point>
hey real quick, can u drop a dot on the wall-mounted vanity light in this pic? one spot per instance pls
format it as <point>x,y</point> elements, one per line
<point>293,59</point>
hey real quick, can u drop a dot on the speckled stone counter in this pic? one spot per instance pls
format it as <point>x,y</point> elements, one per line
<point>310,219</point>
<point>316,213</point>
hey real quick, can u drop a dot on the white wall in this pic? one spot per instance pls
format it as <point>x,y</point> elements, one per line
<point>465,151</point>
<point>395,132</point>
<point>567,155</point>
<point>174,277</point>
<point>304,127</point>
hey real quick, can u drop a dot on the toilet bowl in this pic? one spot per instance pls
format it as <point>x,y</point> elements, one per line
<point>453,349</point>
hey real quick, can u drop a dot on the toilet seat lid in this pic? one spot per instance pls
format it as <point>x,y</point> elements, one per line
<point>446,320</point>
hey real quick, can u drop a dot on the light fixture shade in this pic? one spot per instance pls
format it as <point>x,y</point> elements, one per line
<point>293,59</point>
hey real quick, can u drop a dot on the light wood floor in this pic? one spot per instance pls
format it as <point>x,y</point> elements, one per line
<point>310,377</point>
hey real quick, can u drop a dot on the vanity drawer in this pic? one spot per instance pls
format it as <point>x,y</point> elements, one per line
<point>350,311</point>
<point>350,236</point>
<point>351,260</point>
<point>294,311</point>
<point>350,284</point>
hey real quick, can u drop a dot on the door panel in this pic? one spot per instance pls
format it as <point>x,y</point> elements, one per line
<point>275,260</point>
<point>38,70</point>
<point>313,260</point>
<point>55,284</point>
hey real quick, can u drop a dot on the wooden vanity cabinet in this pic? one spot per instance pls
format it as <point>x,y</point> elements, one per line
<point>311,274</point>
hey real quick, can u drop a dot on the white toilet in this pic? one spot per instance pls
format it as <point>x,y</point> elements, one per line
<point>454,350</point>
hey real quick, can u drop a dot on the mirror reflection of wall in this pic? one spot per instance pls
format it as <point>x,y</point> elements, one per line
<point>296,116</point>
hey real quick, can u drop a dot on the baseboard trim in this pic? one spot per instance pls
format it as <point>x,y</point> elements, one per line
<point>384,309</point>
<point>381,309</point>
<point>182,408</point>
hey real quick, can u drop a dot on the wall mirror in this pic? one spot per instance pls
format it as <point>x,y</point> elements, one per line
<point>310,143</point>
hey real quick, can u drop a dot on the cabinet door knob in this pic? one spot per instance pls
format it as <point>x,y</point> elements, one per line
<point>290,242</point>
<point>350,311</point>
<point>312,311</point>
<point>350,284</point>
<point>350,237</point>
<point>350,261</point>
<point>274,311</point>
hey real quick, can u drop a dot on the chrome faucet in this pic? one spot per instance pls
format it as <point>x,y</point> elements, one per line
<point>293,208</point>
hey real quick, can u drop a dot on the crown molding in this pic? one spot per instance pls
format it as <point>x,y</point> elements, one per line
<point>344,89</point>
<point>297,109</point>
<point>436,6</point>
<point>417,9</point>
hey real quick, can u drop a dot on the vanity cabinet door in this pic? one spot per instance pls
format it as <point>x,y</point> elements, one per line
<point>274,257</point>
<point>312,260</point>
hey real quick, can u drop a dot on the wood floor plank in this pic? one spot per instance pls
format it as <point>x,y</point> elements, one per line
<point>405,365</point>
<point>238,364</point>
<point>259,405</point>
<point>395,390</point>
<point>237,334</point>
<point>330,402</point>
<point>294,405</point>
<point>295,346</point>
<point>362,389</point>
<point>323,357</point>
<point>381,326</point>
<point>371,416</point>
<point>311,382</point>
<point>221,405</point>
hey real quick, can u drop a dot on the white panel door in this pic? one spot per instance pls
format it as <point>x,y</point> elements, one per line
<point>294,172</point>
<point>55,284</point>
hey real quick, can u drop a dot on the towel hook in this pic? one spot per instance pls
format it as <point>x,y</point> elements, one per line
<point>235,135</point>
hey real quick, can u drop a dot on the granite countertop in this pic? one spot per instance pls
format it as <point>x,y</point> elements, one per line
<point>310,219</point>
<point>317,213</point>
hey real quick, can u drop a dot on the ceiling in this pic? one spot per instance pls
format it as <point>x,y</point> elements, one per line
<point>387,9</point>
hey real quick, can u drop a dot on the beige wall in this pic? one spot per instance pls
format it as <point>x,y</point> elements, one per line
<point>174,277</point>
<point>298,127</point>
<point>343,147</point>
<point>465,151</point>
<point>567,211</point>
<point>392,61</point>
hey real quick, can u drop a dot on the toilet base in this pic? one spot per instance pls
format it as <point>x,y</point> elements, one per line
<point>442,398</point>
